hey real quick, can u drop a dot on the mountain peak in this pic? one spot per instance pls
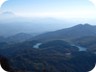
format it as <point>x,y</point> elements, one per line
<point>83,25</point>
<point>86,24</point>
<point>7,15</point>
<point>76,31</point>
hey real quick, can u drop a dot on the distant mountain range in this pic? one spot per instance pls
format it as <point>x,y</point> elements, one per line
<point>7,15</point>
<point>20,37</point>
<point>68,33</point>
<point>78,34</point>
<point>11,24</point>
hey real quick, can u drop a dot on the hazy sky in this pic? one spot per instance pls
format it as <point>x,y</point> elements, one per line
<point>68,12</point>
<point>51,8</point>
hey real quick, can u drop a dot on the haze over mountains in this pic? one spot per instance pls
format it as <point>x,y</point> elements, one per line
<point>78,31</point>
<point>69,33</point>
<point>20,37</point>
<point>11,24</point>
<point>7,15</point>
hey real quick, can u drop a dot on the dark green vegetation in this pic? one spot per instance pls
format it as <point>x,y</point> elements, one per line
<point>58,51</point>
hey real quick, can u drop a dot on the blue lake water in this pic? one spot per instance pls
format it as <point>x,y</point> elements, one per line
<point>37,45</point>
<point>80,47</point>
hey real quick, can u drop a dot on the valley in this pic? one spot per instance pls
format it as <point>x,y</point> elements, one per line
<point>67,50</point>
